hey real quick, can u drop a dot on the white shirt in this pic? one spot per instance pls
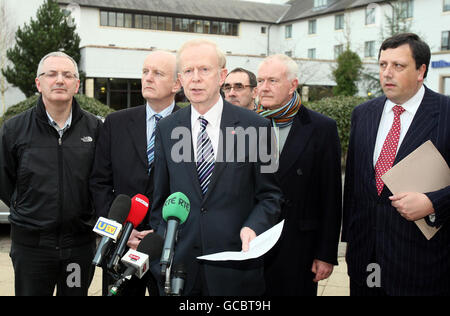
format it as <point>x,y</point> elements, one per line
<point>387,118</point>
<point>214,117</point>
<point>151,118</point>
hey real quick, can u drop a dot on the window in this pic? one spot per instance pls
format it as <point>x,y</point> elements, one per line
<point>207,26</point>
<point>339,22</point>
<point>406,9</point>
<point>445,43</point>
<point>312,53</point>
<point>128,20</point>
<point>263,30</point>
<point>198,26</point>
<point>154,22</point>
<point>288,53</point>
<point>166,23</point>
<point>169,22</point>
<point>446,5</point>
<point>103,18</point>
<point>370,15</point>
<point>288,31</point>
<point>146,22</point>
<point>138,21</point>
<point>312,26</point>
<point>320,4</point>
<point>112,19</point>
<point>338,49</point>
<point>119,19</point>
<point>161,23</point>
<point>369,49</point>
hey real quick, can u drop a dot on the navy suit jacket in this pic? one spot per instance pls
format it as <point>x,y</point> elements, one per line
<point>121,163</point>
<point>374,230</point>
<point>239,195</point>
<point>311,180</point>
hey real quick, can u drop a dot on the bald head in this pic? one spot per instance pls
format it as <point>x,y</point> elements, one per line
<point>159,79</point>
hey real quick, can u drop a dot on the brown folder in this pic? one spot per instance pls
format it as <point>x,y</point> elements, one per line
<point>424,170</point>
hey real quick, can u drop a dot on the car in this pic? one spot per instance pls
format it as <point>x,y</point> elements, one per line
<point>4,213</point>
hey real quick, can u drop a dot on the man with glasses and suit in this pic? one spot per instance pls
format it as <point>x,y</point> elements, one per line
<point>240,88</point>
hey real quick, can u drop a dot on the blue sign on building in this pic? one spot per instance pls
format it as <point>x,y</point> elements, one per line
<point>440,64</point>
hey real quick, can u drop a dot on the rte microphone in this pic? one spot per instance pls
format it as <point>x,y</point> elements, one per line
<point>178,279</point>
<point>137,261</point>
<point>110,227</point>
<point>138,210</point>
<point>175,211</point>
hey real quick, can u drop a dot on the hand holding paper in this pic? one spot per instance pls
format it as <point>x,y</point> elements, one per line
<point>258,247</point>
<point>412,205</point>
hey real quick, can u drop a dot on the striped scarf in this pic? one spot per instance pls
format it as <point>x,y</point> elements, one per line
<point>284,115</point>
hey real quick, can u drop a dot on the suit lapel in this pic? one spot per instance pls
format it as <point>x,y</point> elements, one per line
<point>137,127</point>
<point>298,138</point>
<point>424,121</point>
<point>191,167</point>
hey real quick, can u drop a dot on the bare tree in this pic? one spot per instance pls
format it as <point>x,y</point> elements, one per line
<point>6,39</point>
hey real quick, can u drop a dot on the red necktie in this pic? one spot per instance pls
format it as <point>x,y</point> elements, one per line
<point>389,150</point>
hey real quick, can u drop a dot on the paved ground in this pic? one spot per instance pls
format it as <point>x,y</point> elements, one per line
<point>336,285</point>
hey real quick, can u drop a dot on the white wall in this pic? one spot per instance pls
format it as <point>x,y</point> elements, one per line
<point>246,49</point>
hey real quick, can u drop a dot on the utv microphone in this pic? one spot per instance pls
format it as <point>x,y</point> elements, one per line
<point>111,227</point>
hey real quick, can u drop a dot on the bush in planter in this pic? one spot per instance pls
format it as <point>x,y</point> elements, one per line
<point>88,104</point>
<point>340,109</point>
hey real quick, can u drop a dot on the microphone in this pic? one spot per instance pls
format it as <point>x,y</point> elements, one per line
<point>138,210</point>
<point>137,261</point>
<point>175,211</point>
<point>110,228</point>
<point>178,279</point>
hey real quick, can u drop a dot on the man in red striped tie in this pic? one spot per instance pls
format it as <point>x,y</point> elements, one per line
<point>387,254</point>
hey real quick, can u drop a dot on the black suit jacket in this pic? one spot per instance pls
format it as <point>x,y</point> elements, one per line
<point>238,195</point>
<point>311,182</point>
<point>121,163</point>
<point>375,231</point>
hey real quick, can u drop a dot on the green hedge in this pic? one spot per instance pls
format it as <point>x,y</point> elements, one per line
<point>88,104</point>
<point>340,109</point>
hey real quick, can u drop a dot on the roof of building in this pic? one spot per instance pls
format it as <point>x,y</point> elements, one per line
<point>304,9</point>
<point>219,9</point>
<point>228,9</point>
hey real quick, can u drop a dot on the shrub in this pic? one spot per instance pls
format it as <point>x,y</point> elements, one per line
<point>347,73</point>
<point>340,109</point>
<point>88,104</point>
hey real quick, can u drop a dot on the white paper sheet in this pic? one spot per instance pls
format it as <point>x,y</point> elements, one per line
<point>258,247</point>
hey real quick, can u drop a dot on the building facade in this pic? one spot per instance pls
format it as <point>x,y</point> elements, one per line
<point>117,35</point>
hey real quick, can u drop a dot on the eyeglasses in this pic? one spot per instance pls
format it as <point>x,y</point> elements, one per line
<point>67,75</point>
<point>236,87</point>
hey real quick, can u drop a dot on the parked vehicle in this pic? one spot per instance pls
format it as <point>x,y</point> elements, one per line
<point>4,213</point>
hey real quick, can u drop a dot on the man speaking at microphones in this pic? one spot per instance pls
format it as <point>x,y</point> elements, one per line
<point>125,153</point>
<point>231,201</point>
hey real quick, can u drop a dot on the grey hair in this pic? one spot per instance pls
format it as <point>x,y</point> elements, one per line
<point>57,54</point>
<point>222,60</point>
<point>291,65</point>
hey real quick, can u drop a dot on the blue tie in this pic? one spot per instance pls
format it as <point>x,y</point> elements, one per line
<point>151,143</point>
<point>205,156</point>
